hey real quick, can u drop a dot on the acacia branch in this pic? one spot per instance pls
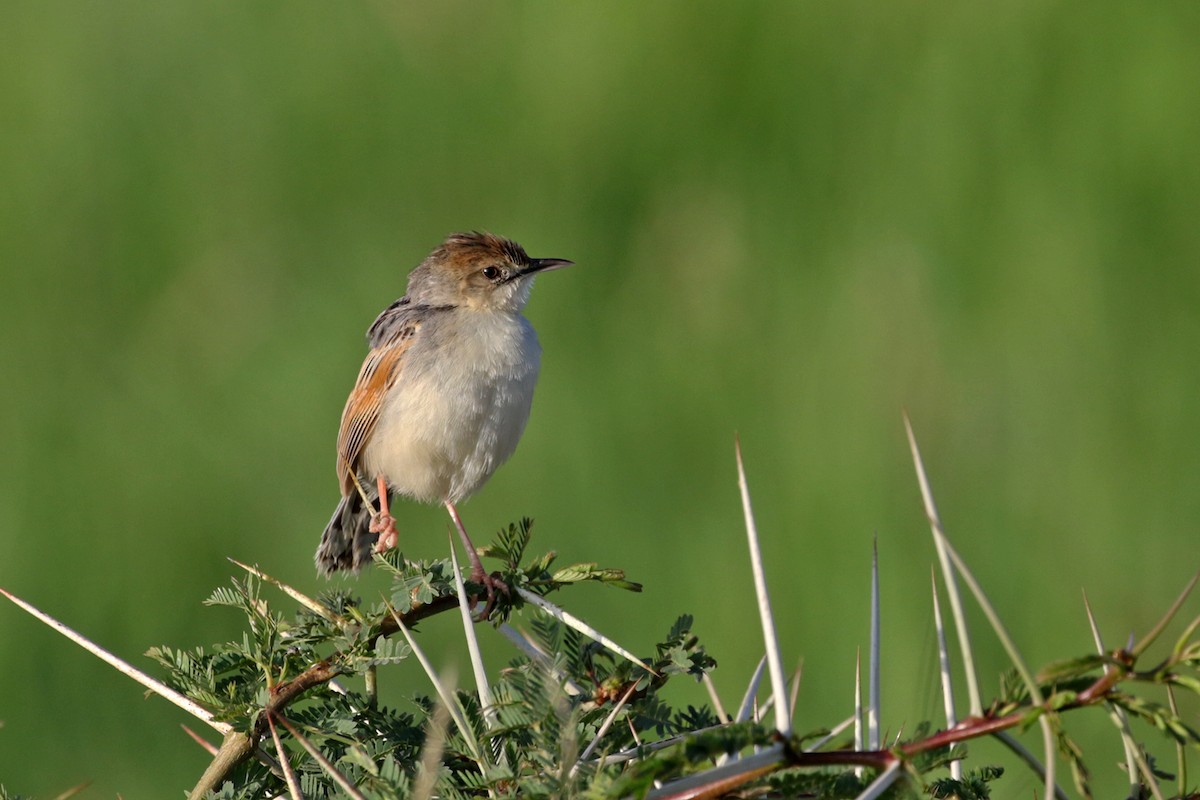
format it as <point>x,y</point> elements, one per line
<point>970,728</point>
<point>239,746</point>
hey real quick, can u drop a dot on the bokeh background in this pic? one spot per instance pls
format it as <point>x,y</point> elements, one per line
<point>791,221</point>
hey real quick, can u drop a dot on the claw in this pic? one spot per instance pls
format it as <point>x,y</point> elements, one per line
<point>383,522</point>
<point>491,584</point>
<point>385,525</point>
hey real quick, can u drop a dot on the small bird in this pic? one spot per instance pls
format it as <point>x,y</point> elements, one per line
<point>442,397</point>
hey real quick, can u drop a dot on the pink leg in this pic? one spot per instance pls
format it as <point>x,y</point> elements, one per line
<point>384,523</point>
<point>478,574</point>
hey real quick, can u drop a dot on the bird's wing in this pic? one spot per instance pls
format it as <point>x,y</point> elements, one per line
<point>379,373</point>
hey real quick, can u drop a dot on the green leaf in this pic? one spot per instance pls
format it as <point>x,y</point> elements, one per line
<point>1071,668</point>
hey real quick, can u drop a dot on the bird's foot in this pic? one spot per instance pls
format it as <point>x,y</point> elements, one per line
<point>490,583</point>
<point>385,525</point>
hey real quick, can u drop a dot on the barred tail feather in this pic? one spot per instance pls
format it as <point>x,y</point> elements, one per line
<point>346,543</point>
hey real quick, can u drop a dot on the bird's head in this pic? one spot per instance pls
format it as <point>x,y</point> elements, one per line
<point>479,271</point>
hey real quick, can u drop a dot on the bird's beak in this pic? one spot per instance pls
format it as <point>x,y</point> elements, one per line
<point>545,265</point>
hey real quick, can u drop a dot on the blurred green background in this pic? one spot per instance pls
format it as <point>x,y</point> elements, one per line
<point>791,221</point>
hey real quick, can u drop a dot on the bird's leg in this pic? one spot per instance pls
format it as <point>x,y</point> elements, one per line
<point>478,574</point>
<point>384,523</point>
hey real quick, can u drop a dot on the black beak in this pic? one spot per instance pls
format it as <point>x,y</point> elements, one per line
<point>545,265</point>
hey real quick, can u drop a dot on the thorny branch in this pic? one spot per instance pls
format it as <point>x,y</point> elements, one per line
<point>238,746</point>
<point>1121,666</point>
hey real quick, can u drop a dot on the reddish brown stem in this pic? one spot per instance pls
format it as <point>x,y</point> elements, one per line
<point>239,745</point>
<point>974,727</point>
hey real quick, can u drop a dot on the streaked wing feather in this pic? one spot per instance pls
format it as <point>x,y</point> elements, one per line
<point>379,372</point>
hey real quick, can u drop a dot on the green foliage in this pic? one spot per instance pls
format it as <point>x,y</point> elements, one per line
<point>832,785</point>
<point>1159,716</point>
<point>573,719</point>
<point>546,709</point>
<point>1073,753</point>
<point>973,786</point>
<point>509,547</point>
<point>936,758</point>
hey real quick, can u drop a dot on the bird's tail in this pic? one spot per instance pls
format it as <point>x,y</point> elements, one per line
<point>346,543</point>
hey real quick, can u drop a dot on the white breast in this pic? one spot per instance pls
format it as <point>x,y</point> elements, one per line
<point>458,407</point>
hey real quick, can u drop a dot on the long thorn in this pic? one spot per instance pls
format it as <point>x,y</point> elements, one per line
<point>1023,753</point>
<point>200,740</point>
<point>944,669</point>
<point>431,753</point>
<point>873,710</point>
<point>444,692</point>
<point>882,782</point>
<point>289,775</point>
<point>956,605</point>
<point>481,682</point>
<point>581,626</point>
<point>1181,770</point>
<point>770,638</point>
<point>1115,712</point>
<point>834,732</point>
<point>535,653</point>
<point>604,726</point>
<point>859,740</point>
<point>308,602</point>
<point>747,705</point>
<point>1035,693</point>
<point>711,688</point>
<point>1149,638</point>
<point>74,790</point>
<point>330,769</point>
<point>125,668</point>
<point>796,677</point>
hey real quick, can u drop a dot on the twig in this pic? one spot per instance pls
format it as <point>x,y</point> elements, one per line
<point>239,746</point>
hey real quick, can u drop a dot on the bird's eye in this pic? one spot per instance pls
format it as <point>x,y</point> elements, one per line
<point>491,273</point>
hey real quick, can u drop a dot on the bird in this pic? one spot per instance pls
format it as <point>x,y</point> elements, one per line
<point>442,397</point>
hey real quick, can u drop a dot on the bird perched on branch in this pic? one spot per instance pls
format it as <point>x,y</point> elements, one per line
<point>442,397</point>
